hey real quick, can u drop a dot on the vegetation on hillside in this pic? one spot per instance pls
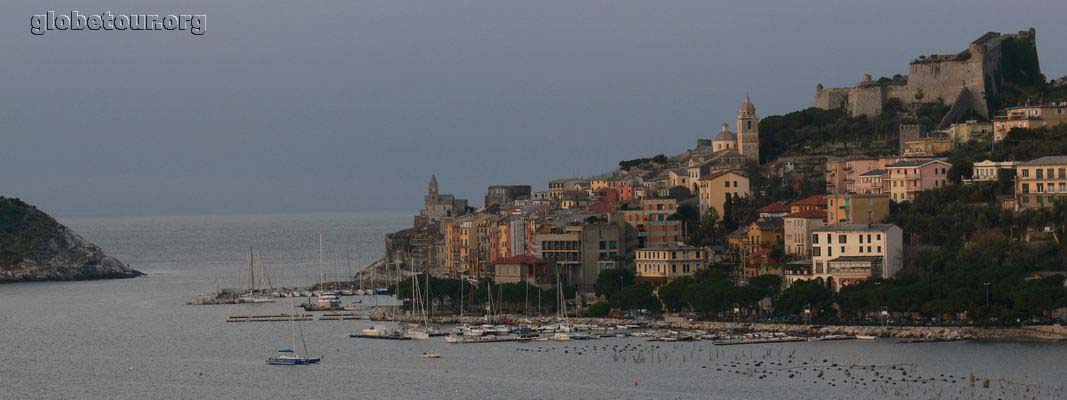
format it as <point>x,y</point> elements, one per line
<point>21,227</point>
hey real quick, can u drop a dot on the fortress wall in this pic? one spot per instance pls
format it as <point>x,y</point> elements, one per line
<point>944,80</point>
<point>831,98</point>
<point>867,100</point>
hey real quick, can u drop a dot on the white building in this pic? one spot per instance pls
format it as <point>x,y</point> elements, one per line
<point>845,254</point>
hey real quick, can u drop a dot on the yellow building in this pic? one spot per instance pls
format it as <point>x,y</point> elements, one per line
<point>929,146</point>
<point>679,177</point>
<point>1029,117</point>
<point>970,130</point>
<point>666,261</point>
<point>852,208</point>
<point>1040,182</point>
<point>716,187</point>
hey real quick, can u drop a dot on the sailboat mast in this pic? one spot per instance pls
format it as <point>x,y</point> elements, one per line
<point>292,322</point>
<point>251,271</point>
<point>322,272</point>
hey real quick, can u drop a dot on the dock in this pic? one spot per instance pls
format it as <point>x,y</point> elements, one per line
<point>268,318</point>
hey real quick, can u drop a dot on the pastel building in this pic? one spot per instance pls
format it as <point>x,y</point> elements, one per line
<point>665,261</point>
<point>856,208</point>
<point>1028,117</point>
<point>798,227</point>
<point>1039,183</point>
<point>909,177</point>
<point>987,170</point>
<point>846,254</point>
<point>715,188</point>
<point>652,223</point>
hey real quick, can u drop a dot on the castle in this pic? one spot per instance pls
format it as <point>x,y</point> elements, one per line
<point>965,81</point>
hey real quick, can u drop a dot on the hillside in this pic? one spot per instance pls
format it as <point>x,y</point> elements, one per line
<point>35,247</point>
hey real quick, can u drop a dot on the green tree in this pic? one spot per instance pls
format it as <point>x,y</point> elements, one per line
<point>611,280</point>
<point>599,309</point>
<point>674,294</point>
<point>636,297</point>
<point>803,294</point>
<point>710,231</point>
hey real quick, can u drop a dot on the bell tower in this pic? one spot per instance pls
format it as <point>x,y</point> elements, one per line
<point>748,131</point>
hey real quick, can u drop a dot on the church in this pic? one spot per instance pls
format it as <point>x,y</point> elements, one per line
<point>746,140</point>
<point>439,206</point>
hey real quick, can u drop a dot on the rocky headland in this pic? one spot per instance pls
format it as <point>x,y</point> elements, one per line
<point>36,247</point>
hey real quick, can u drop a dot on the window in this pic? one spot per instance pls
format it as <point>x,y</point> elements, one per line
<point>727,183</point>
<point>829,251</point>
<point>1026,188</point>
<point>815,239</point>
<point>815,251</point>
<point>861,249</point>
<point>842,239</point>
<point>1026,173</point>
<point>842,249</point>
<point>879,249</point>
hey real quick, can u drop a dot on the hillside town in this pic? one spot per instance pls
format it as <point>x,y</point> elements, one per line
<point>830,217</point>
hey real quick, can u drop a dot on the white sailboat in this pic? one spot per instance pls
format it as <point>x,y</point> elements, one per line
<point>254,282</point>
<point>327,300</point>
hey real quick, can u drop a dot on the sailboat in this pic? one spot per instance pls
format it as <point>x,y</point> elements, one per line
<point>290,356</point>
<point>254,283</point>
<point>327,300</point>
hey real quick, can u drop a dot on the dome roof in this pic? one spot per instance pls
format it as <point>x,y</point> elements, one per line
<point>747,108</point>
<point>725,134</point>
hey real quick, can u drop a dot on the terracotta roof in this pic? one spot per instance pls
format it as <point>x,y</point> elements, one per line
<point>816,200</point>
<point>776,207</point>
<point>520,259</point>
<point>808,214</point>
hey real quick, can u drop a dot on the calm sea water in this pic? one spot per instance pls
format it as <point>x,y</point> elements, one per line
<point>136,338</point>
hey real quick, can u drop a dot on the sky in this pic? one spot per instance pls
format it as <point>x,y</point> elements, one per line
<point>296,106</point>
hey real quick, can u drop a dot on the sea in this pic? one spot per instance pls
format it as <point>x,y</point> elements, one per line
<point>138,338</point>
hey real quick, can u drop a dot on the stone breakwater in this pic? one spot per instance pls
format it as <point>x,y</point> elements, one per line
<point>932,333</point>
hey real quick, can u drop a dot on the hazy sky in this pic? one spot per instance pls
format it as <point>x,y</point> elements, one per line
<point>301,106</point>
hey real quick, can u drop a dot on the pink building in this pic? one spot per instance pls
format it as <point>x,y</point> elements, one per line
<point>908,177</point>
<point>873,182</point>
<point>843,175</point>
<point>846,175</point>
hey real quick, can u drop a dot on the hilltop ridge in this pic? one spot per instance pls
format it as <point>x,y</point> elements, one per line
<point>36,247</point>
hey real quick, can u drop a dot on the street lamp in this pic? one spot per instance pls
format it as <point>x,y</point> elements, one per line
<point>737,313</point>
<point>807,314</point>
<point>885,316</point>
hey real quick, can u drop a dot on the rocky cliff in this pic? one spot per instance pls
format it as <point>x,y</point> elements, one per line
<point>35,247</point>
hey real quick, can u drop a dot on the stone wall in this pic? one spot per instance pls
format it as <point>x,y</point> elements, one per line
<point>942,77</point>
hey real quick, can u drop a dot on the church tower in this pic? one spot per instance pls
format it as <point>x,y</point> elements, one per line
<point>432,189</point>
<point>748,131</point>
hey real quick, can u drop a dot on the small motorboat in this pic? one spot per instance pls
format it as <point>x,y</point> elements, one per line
<point>431,354</point>
<point>866,337</point>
